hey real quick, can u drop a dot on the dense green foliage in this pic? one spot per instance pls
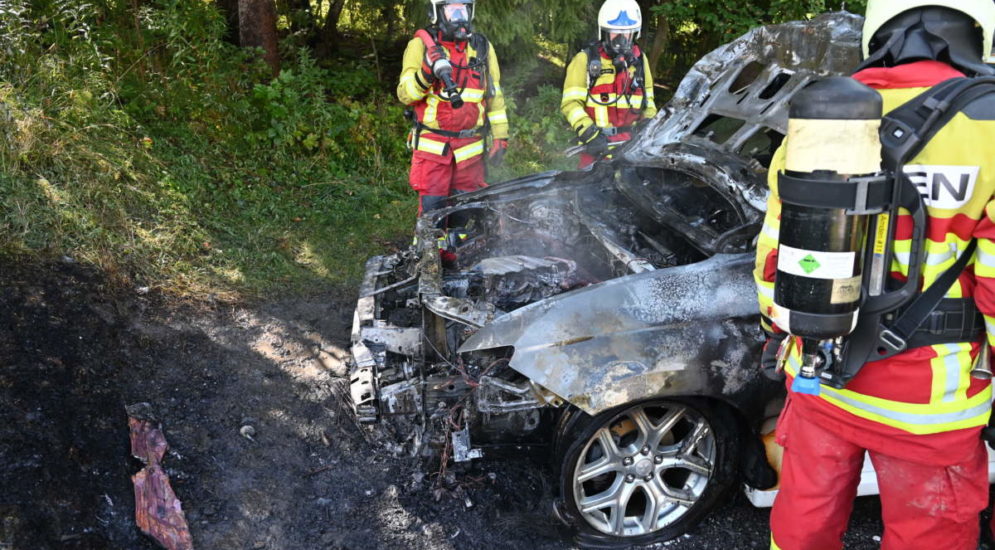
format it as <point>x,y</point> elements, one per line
<point>144,143</point>
<point>138,139</point>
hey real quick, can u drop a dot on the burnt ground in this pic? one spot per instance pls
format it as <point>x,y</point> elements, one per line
<point>74,351</point>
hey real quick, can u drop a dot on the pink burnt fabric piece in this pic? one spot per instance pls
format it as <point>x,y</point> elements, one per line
<point>158,512</point>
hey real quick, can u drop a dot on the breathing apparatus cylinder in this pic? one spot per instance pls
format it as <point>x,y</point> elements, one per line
<point>832,139</point>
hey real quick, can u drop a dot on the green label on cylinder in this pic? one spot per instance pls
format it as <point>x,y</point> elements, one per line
<point>809,264</point>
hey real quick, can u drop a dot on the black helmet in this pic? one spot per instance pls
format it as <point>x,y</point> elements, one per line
<point>927,32</point>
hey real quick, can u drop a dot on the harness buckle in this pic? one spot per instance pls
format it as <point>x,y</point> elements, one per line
<point>861,195</point>
<point>936,323</point>
<point>892,341</point>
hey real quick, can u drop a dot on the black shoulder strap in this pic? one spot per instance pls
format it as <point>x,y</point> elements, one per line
<point>482,47</point>
<point>641,78</point>
<point>905,131</point>
<point>924,304</point>
<point>593,53</point>
<point>593,50</point>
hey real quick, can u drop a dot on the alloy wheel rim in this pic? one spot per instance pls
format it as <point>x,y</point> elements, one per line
<point>644,470</point>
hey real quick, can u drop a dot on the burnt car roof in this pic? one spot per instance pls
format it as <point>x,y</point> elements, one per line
<point>742,89</point>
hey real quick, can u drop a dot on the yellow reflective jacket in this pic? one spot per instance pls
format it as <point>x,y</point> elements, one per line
<point>608,102</point>
<point>480,92</point>
<point>922,403</point>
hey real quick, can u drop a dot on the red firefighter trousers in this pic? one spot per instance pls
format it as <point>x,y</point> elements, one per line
<point>440,176</point>
<point>923,507</point>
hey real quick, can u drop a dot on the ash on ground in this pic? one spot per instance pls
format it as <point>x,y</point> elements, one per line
<point>74,351</point>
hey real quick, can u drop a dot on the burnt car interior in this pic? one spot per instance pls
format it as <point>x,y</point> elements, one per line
<point>684,204</point>
<point>512,254</point>
<point>592,234</point>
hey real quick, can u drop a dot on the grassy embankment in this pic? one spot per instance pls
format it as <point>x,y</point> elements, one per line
<point>169,159</point>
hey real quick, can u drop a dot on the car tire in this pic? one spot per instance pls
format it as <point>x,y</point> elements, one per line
<point>669,463</point>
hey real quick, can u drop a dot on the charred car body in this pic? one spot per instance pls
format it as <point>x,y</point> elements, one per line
<point>608,315</point>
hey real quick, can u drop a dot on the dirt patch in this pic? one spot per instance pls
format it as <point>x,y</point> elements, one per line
<point>74,352</point>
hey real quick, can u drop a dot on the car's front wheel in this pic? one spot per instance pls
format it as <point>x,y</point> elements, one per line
<point>646,472</point>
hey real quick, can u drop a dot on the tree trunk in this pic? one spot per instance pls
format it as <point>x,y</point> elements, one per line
<point>229,8</point>
<point>257,29</point>
<point>660,40</point>
<point>332,17</point>
<point>136,8</point>
<point>329,38</point>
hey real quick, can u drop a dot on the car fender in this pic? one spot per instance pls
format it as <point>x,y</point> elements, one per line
<point>688,330</point>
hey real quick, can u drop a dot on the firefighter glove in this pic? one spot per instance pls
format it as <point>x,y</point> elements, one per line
<point>433,55</point>
<point>498,149</point>
<point>588,133</point>
<point>988,433</point>
<point>597,146</point>
<point>595,143</point>
<point>769,359</point>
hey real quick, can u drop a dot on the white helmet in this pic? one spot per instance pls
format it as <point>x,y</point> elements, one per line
<point>880,12</point>
<point>620,16</point>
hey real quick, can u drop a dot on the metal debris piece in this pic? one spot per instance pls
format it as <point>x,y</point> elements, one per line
<point>158,513</point>
<point>497,396</point>
<point>247,432</point>
<point>404,341</point>
<point>461,446</point>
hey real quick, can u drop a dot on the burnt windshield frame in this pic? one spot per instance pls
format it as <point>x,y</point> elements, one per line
<point>682,201</point>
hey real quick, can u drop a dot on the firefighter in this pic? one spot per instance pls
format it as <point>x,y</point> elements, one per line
<point>451,82</point>
<point>609,87</point>
<point>917,414</point>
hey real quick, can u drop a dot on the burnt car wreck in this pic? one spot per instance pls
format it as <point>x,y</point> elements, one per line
<point>607,316</point>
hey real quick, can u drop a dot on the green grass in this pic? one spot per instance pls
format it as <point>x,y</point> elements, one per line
<point>190,215</point>
<point>185,208</point>
<point>170,159</point>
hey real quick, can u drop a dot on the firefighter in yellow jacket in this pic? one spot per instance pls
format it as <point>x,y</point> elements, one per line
<point>917,414</point>
<point>609,87</point>
<point>451,80</point>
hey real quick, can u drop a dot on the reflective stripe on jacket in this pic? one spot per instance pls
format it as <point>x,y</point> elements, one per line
<point>926,391</point>
<point>582,110</point>
<point>433,111</point>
